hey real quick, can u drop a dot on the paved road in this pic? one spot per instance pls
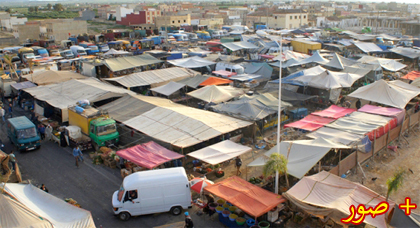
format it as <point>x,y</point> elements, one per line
<point>90,185</point>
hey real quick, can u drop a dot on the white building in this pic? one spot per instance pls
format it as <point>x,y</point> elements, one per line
<point>122,12</point>
<point>12,21</point>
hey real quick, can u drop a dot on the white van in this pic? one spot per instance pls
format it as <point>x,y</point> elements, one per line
<point>78,51</point>
<point>153,191</point>
<point>236,68</point>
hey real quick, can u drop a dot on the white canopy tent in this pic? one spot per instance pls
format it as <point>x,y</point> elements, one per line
<point>220,152</point>
<point>112,51</point>
<point>192,62</point>
<point>339,62</point>
<point>303,155</point>
<point>335,135</point>
<point>236,46</point>
<point>169,88</point>
<point>216,94</point>
<point>329,80</point>
<point>395,93</point>
<point>387,64</point>
<point>55,210</point>
<point>315,58</point>
<point>367,47</point>
<point>289,55</point>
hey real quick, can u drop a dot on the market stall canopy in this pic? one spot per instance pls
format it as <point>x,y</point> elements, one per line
<point>384,111</point>
<point>250,110</point>
<point>195,81</point>
<point>329,80</point>
<point>288,63</point>
<point>395,94</point>
<point>315,58</point>
<point>192,62</point>
<point>388,37</point>
<point>289,55</point>
<point>148,155</point>
<point>198,52</point>
<point>352,126</point>
<point>22,85</point>
<point>55,210</point>
<point>220,152</point>
<point>303,155</point>
<point>223,73</point>
<point>176,124</point>
<point>15,214</point>
<point>153,77</point>
<point>216,94</point>
<point>47,77</point>
<point>68,93</point>
<point>267,100</point>
<point>364,37</point>
<point>245,77</point>
<point>262,69</point>
<point>310,123</point>
<point>335,135</point>
<point>169,88</point>
<point>241,45</point>
<point>130,62</point>
<point>248,197</point>
<point>367,47</point>
<point>406,52</point>
<point>290,96</point>
<point>413,75</point>
<point>387,64</point>
<point>339,62</point>
<point>334,112</point>
<point>112,51</point>
<point>325,194</point>
<point>311,71</point>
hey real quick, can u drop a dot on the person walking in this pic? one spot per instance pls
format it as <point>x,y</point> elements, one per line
<point>77,154</point>
<point>13,159</point>
<point>188,221</point>
<point>358,104</point>
<point>238,164</point>
<point>3,114</point>
<point>41,130</point>
<point>10,110</point>
<point>48,132</point>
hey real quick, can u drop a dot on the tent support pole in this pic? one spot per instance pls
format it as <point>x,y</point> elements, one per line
<point>356,158</point>
<point>319,165</point>
<point>374,146</point>
<point>339,161</point>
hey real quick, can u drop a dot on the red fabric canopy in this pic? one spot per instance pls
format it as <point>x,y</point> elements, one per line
<point>250,198</point>
<point>334,112</point>
<point>383,130</point>
<point>215,81</point>
<point>412,75</point>
<point>148,155</point>
<point>310,123</point>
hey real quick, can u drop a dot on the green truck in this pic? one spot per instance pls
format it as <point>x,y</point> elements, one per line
<point>95,124</point>
<point>23,134</point>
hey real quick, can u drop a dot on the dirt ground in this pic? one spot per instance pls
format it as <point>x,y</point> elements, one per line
<point>383,165</point>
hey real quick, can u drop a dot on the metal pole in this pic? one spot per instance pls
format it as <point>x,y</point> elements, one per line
<point>279,115</point>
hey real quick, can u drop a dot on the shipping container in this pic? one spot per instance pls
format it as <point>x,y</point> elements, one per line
<point>305,46</point>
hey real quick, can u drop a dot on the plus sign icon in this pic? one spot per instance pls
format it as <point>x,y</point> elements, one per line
<point>407,206</point>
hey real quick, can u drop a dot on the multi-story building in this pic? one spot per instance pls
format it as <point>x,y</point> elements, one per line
<point>170,8</point>
<point>122,12</point>
<point>151,15</point>
<point>176,20</point>
<point>9,23</point>
<point>30,30</point>
<point>103,11</point>
<point>285,19</point>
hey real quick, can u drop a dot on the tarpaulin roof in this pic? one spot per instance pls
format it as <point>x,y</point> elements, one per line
<point>315,58</point>
<point>325,194</point>
<point>406,52</point>
<point>216,94</point>
<point>396,93</point>
<point>329,80</point>
<point>224,73</point>
<point>339,62</point>
<point>248,197</point>
<point>68,93</point>
<point>195,81</point>
<point>112,51</point>
<point>262,69</point>
<point>310,123</point>
<point>168,89</point>
<point>215,81</point>
<point>311,71</point>
<point>23,85</point>
<point>268,100</point>
<point>387,37</point>
<point>124,63</point>
<point>290,96</point>
<point>384,111</point>
<point>335,135</point>
<point>169,122</point>
<point>245,77</point>
<point>413,75</point>
<point>192,62</point>
<point>55,210</point>
<point>46,77</point>
<point>289,55</point>
<point>304,154</point>
<point>153,77</point>
<point>148,155</point>
<point>334,112</point>
<point>352,125</point>
<point>288,63</point>
<point>15,214</point>
<point>244,109</point>
<point>369,118</point>
<point>220,152</point>
<point>241,45</point>
<point>367,47</point>
<point>387,64</point>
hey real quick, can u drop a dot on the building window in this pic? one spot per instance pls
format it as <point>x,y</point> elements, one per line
<point>173,22</point>
<point>185,20</point>
<point>275,17</point>
<point>299,17</point>
<point>291,17</point>
<point>304,16</point>
<point>153,13</point>
<point>179,21</point>
<point>150,27</point>
<point>295,17</point>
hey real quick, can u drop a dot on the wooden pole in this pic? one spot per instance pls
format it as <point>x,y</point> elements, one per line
<point>319,166</point>
<point>339,160</point>
<point>374,145</point>
<point>357,149</point>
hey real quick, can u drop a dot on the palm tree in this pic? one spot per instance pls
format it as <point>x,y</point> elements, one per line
<point>395,182</point>
<point>277,163</point>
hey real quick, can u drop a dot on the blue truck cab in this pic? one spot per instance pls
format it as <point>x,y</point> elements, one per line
<point>23,133</point>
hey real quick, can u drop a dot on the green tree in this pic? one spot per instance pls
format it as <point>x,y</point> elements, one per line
<point>36,8</point>
<point>395,182</point>
<point>58,7</point>
<point>49,6</point>
<point>277,163</point>
<point>8,10</point>
<point>31,9</point>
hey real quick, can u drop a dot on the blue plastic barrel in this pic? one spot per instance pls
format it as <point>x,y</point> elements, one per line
<point>79,109</point>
